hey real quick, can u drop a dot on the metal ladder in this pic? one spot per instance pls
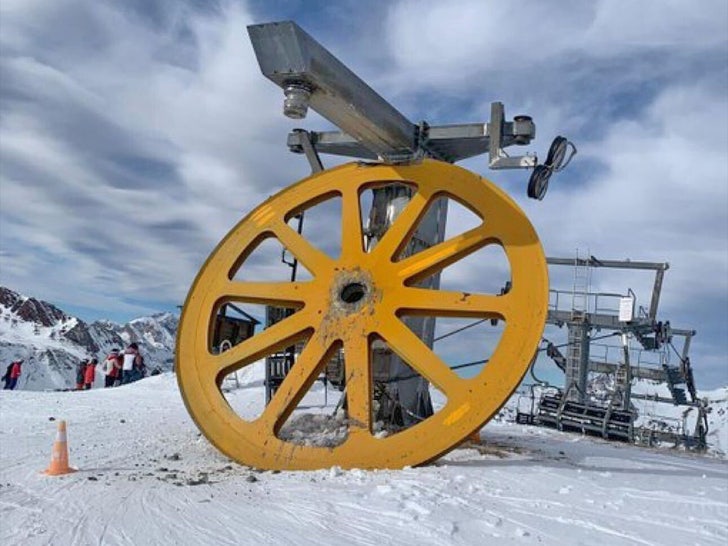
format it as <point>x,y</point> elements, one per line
<point>579,311</point>
<point>580,293</point>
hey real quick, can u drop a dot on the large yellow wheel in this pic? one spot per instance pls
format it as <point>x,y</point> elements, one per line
<point>352,300</point>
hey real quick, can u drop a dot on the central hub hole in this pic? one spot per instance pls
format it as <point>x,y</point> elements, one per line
<point>353,292</point>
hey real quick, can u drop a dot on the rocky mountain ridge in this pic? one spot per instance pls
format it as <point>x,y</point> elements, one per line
<point>51,341</point>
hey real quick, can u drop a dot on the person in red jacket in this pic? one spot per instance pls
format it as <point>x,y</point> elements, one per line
<point>90,373</point>
<point>12,374</point>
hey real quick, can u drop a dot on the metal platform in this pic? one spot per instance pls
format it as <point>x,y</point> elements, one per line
<point>558,412</point>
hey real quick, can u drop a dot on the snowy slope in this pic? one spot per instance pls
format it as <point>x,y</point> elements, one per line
<point>148,477</point>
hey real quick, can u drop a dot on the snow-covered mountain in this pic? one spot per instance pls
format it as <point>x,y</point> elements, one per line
<point>51,341</point>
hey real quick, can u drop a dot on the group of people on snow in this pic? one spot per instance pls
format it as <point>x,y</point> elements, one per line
<point>118,368</point>
<point>12,373</point>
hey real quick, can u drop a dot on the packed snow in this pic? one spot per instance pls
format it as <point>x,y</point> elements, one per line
<point>147,476</point>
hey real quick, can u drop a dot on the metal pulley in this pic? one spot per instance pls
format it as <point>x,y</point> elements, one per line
<point>353,300</point>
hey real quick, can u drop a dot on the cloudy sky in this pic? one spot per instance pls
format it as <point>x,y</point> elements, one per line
<point>135,134</point>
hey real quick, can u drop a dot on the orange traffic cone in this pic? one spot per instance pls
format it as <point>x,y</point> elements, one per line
<point>59,455</point>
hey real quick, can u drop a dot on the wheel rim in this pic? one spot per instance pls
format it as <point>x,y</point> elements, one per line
<point>353,299</point>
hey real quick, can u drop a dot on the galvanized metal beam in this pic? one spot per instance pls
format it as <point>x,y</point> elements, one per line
<point>613,264</point>
<point>451,143</point>
<point>310,75</point>
<point>656,289</point>
<point>639,372</point>
<point>600,320</point>
<point>371,128</point>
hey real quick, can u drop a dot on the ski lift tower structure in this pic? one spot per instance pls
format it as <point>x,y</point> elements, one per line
<point>372,129</point>
<point>376,299</point>
<point>584,312</point>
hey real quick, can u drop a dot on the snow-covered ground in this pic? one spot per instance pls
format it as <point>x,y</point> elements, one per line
<point>146,476</point>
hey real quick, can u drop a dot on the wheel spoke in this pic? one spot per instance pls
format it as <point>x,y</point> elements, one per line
<point>358,384</point>
<point>296,384</point>
<point>312,258</point>
<point>420,357</point>
<point>280,294</point>
<point>444,303</point>
<point>274,338</point>
<point>352,238</point>
<point>439,256</point>
<point>403,226</point>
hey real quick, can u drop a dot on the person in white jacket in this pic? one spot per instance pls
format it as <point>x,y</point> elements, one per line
<point>128,368</point>
<point>111,368</point>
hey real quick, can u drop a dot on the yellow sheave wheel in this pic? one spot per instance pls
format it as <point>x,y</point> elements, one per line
<point>326,319</point>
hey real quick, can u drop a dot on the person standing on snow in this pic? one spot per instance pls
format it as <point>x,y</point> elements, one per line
<point>89,374</point>
<point>111,367</point>
<point>139,367</point>
<point>6,376</point>
<point>12,374</point>
<point>128,372</point>
<point>80,374</point>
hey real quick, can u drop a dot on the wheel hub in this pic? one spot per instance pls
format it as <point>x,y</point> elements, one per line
<point>351,291</point>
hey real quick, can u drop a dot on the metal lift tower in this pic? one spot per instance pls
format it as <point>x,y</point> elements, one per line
<point>372,129</point>
<point>584,313</point>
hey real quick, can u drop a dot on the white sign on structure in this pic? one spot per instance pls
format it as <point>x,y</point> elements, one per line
<point>626,309</point>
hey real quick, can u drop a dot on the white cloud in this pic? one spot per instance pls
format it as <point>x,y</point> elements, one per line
<point>663,194</point>
<point>153,159</point>
<point>446,44</point>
